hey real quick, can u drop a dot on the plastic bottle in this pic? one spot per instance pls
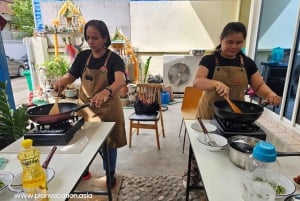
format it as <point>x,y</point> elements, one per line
<point>262,173</point>
<point>34,180</point>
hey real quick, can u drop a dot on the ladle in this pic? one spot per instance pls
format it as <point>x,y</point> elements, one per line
<point>233,106</point>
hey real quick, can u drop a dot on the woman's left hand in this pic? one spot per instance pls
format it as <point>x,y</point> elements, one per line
<point>100,98</point>
<point>273,99</point>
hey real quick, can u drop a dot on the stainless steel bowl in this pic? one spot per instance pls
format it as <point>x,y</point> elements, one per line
<point>240,147</point>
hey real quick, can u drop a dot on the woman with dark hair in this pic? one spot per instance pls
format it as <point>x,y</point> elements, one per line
<point>102,74</point>
<point>227,72</point>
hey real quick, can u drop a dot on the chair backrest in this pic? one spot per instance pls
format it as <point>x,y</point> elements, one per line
<point>150,92</point>
<point>190,102</point>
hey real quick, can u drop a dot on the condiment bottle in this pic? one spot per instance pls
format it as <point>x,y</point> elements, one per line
<point>262,173</point>
<point>34,180</point>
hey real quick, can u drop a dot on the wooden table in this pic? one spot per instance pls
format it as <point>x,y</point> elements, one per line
<point>69,162</point>
<point>221,178</point>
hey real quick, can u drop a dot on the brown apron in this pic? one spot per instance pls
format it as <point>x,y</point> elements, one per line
<point>235,77</point>
<point>92,82</point>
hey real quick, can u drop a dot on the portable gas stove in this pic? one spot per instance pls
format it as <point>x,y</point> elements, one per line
<point>59,133</point>
<point>228,129</point>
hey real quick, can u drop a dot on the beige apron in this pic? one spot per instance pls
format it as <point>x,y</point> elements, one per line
<point>235,77</point>
<point>92,82</point>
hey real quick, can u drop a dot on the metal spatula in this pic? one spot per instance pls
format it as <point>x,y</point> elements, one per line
<point>233,106</point>
<point>55,108</point>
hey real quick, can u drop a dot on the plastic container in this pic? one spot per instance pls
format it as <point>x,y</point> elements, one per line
<point>165,97</point>
<point>34,180</point>
<point>27,75</point>
<point>262,173</point>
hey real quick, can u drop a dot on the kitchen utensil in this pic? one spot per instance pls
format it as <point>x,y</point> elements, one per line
<point>55,108</point>
<point>40,114</point>
<point>251,111</point>
<point>49,157</point>
<point>240,147</point>
<point>209,140</point>
<point>221,142</point>
<point>233,106</point>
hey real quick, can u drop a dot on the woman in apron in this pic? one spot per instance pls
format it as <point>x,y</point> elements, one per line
<point>227,72</point>
<point>102,74</point>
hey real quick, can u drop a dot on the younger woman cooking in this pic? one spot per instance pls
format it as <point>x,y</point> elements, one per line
<point>102,74</point>
<point>227,72</point>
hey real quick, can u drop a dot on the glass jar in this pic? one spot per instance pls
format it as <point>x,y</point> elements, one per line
<point>262,173</point>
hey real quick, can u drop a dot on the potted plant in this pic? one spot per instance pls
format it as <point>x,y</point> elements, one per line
<point>13,123</point>
<point>55,68</point>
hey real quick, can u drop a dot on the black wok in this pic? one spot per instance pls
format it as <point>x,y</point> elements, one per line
<point>250,111</point>
<point>39,114</point>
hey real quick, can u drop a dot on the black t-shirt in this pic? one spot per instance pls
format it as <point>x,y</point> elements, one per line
<point>115,63</point>
<point>209,62</point>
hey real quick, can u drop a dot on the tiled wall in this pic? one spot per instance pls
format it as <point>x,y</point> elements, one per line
<point>279,132</point>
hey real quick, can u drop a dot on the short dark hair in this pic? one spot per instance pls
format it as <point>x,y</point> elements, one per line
<point>102,28</point>
<point>236,27</point>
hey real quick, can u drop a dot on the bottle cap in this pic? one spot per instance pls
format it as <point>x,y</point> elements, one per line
<point>26,143</point>
<point>265,152</point>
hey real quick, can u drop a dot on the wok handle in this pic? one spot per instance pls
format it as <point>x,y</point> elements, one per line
<point>280,154</point>
<point>80,107</point>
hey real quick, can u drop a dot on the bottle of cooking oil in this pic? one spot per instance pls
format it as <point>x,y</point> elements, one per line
<point>34,180</point>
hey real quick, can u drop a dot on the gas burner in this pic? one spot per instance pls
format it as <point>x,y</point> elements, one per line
<point>228,128</point>
<point>59,133</point>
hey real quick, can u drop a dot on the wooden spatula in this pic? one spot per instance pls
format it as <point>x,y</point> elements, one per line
<point>55,108</point>
<point>233,106</point>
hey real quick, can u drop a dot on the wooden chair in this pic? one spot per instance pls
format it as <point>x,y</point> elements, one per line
<point>189,107</point>
<point>149,92</point>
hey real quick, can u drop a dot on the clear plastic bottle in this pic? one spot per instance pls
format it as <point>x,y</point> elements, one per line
<point>34,180</point>
<point>262,173</point>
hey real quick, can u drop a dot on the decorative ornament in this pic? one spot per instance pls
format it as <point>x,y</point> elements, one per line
<point>119,42</point>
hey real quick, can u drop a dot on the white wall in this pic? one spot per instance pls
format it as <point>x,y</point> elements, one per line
<point>168,26</point>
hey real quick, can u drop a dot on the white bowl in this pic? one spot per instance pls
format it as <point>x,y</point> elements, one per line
<point>16,184</point>
<point>287,184</point>
<point>220,141</point>
<point>6,178</point>
<point>71,93</point>
<point>209,127</point>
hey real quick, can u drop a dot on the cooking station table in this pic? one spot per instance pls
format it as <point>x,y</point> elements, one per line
<point>223,180</point>
<point>68,161</point>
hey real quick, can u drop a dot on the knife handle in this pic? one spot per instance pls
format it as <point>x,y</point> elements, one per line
<point>46,162</point>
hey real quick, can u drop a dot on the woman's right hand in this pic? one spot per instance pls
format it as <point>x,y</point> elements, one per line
<point>221,88</point>
<point>60,85</point>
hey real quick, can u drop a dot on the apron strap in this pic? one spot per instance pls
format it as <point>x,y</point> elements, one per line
<point>242,64</point>
<point>107,58</point>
